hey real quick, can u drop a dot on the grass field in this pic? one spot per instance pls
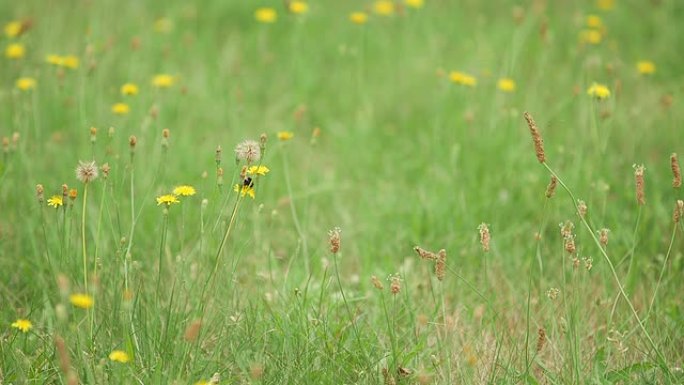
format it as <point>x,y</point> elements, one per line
<point>263,172</point>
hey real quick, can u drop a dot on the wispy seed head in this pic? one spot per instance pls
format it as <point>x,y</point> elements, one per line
<point>248,150</point>
<point>395,284</point>
<point>581,208</point>
<point>86,172</point>
<point>603,237</point>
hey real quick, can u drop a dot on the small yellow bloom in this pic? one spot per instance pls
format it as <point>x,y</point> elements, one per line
<point>163,25</point>
<point>244,190</point>
<point>599,91</point>
<point>358,17</point>
<point>646,67</point>
<point>383,7</point>
<point>163,81</point>
<point>13,28</point>
<point>594,21</point>
<point>285,135</point>
<point>462,78</point>
<point>26,83</point>
<point>591,36</point>
<point>55,201</point>
<point>167,199</point>
<point>23,325</point>
<point>415,3</point>
<point>201,382</point>
<point>71,62</point>
<point>84,301</point>
<point>184,191</point>
<point>54,59</point>
<point>129,89</point>
<point>506,84</point>
<point>15,51</point>
<point>605,5</point>
<point>119,356</point>
<point>299,7</point>
<point>121,108</point>
<point>258,170</point>
<point>266,15</point>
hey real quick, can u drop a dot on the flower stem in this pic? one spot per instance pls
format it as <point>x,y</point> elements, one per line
<point>83,237</point>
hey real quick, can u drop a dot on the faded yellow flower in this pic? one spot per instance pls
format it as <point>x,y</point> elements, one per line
<point>258,170</point>
<point>285,135</point>
<point>129,89</point>
<point>184,191</point>
<point>71,62</point>
<point>266,15</point>
<point>463,79</point>
<point>414,3</point>
<point>299,7</point>
<point>119,356</point>
<point>245,190</point>
<point>55,201</point>
<point>599,91</point>
<point>23,325</point>
<point>121,108</point>
<point>15,51</point>
<point>605,5</point>
<point>26,83</point>
<point>163,81</point>
<point>358,17</point>
<point>383,7</point>
<point>13,28</point>
<point>506,84</point>
<point>167,199</point>
<point>591,36</point>
<point>83,301</point>
<point>54,59</point>
<point>646,67</point>
<point>594,21</point>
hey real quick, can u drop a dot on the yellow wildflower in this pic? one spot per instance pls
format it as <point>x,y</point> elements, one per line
<point>594,21</point>
<point>71,62</point>
<point>358,17</point>
<point>23,325</point>
<point>84,301</point>
<point>54,59</point>
<point>129,89</point>
<point>599,91</point>
<point>299,7</point>
<point>646,67</point>
<point>265,15</point>
<point>258,170</point>
<point>506,84</point>
<point>244,190</point>
<point>13,28</point>
<point>26,83</point>
<point>415,3</point>
<point>201,382</point>
<point>184,191</point>
<point>285,135</point>
<point>55,201</point>
<point>383,7</point>
<point>15,51</point>
<point>167,199</point>
<point>163,81</point>
<point>462,78</point>
<point>605,5</point>
<point>591,36</point>
<point>121,108</point>
<point>163,25</point>
<point>119,356</point>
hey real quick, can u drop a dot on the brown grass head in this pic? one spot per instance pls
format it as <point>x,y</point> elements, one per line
<point>551,188</point>
<point>676,171</point>
<point>536,138</point>
<point>541,339</point>
<point>440,266</point>
<point>376,283</point>
<point>424,254</point>
<point>334,240</point>
<point>640,184</point>
<point>485,236</point>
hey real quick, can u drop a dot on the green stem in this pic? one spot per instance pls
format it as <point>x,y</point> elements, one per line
<point>662,271</point>
<point>83,237</point>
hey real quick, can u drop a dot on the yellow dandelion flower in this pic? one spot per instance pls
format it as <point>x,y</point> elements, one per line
<point>163,25</point>
<point>599,91</point>
<point>121,108</point>
<point>506,84</point>
<point>13,28</point>
<point>71,62</point>
<point>646,67</point>
<point>54,59</point>
<point>119,356</point>
<point>299,7</point>
<point>591,36</point>
<point>266,15</point>
<point>414,3</point>
<point>258,170</point>
<point>244,190</point>
<point>23,325</point>
<point>462,78</point>
<point>184,191</point>
<point>594,21</point>
<point>605,5</point>
<point>167,199</point>
<point>383,7</point>
<point>285,135</point>
<point>201,382</point>
<point>358,17</point>
<point>15,51</point>
<point>163,81</point>
<point>129,89</point>
<point>26,83</point>
<point>83,301</point>
<point>55,201</point>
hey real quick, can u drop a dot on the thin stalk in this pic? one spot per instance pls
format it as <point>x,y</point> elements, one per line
<point>165,224</point>
<point>293,211</point>
<point>83,237</point>
<point>390,330</point>
<point>662,271</point>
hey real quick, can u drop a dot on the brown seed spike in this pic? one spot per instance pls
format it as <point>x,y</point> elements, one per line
<point>424,254</point>
<point>440,266</point>
<point>640,183</point>
<point>676,171</point>
<point>536,137</point>
<point>551,188</point>
<point>541,339</point>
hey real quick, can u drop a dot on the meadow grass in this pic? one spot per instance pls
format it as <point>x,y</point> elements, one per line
<point>191,259</point>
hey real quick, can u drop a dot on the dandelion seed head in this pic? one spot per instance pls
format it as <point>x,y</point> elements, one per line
<point>249,151</point>
<point>86,172</point>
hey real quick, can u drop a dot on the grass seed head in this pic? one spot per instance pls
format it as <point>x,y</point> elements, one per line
<point>678,211</point>
<point>424,254</point>
<point>640,184</point>
<point>376,282</point>
<point>485,236</point>
<point>603,237</point>
<point>395,284</point>
<point>551,188</point>
<point>536,138</point>
<point>334,240</point>
<point>541,339</point>
<point>440,265</point>
<point>40,193</point>
<point>581,208</point>
<point>676,171</point>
